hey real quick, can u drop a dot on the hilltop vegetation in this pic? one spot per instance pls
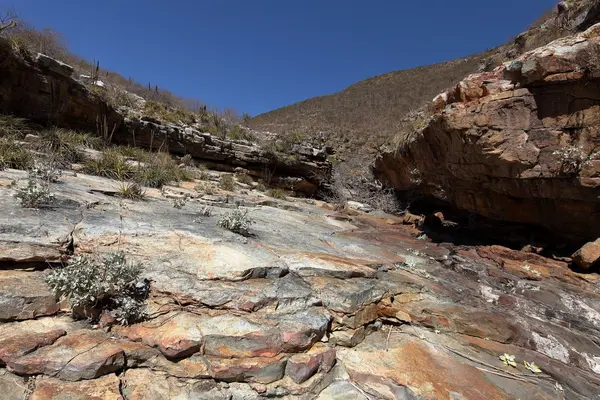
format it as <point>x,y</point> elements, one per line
<point>372,112</point>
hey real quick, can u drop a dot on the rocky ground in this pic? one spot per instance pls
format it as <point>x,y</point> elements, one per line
<point>315,304</point>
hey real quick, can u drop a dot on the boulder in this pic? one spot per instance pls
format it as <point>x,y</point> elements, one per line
<point>587,256</point>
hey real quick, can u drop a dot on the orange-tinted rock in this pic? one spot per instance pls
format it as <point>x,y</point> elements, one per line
<point>24,343</point>
<point>587,256</point>
<point>417,367</point>
<point>81,355</point>
<point>175,335</point>
<point>510,154</point>
<point>25,295</point>
<point>105,388</point>
<point>301,367</point>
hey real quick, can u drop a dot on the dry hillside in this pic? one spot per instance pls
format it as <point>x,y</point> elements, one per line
<point>371,111</point>
<point>375,105</point>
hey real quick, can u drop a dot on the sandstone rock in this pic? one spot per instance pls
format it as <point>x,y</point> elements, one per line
<point>258,369</point>
<point>588,255</point>
<point>142,384</point>
<point>175,335</point>
<point>413,368</point>
<point>106,387</point>
<point>13,347</point>
<point>341,390</point>
<point>12,387</point>
<point>300,330</point>
<point>24,295</point>
<point>508,153</point>
<point>300,367</point>
<point>347,337</point>
<point>230,336</point>
<point>355,205</point>
<point>44,92</point>
<point>80,355</point>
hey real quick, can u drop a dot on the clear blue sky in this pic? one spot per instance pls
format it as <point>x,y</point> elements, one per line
<point>258,55</point>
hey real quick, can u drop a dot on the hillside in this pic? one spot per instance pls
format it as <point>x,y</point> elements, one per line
<point>374,106</point>
<point>371,111</point>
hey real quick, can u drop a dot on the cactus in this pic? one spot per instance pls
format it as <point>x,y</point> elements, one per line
<point>10,25</point>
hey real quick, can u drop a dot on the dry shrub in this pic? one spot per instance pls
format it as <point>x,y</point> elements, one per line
<point>354,180</point>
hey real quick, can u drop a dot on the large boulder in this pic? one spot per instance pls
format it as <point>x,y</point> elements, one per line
<point>518,144</point>
<point>587,256</point>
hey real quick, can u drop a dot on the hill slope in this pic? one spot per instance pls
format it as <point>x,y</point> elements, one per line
<point>374,105</point>
<point>371,111</point>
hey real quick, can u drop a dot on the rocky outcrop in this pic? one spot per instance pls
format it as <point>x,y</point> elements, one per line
<point>311,305</point>
<point>307,164</point>
<point>42,90</point>
<point>519,144</point>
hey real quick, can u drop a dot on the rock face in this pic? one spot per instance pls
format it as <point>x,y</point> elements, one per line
<point>519,144</point>
<point>309,165</point>
<point>310,306</point>
<point>42,90</point>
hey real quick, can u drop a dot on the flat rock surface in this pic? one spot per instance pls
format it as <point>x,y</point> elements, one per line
<point>309,306</point>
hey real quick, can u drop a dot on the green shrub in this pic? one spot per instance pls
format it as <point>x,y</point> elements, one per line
<point>109,284</point>
<point>205,188</point>
<point>236,221</point>
<point>204,176</point>
<point>227,183</point>
<point>14,127</point>
<point>245,178</point>
<point>135,153</point>
<point>237,132</point>
<point>168,114</point>
<point>14,155</point>
<point>111,164</point>
<point>188,161</point>
<point>65,144</point>
<point>277,194</point>
<point>131,191</point>
<point>160,169</point>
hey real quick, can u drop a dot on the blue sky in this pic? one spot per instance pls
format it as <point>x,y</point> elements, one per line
<point>258,55</point>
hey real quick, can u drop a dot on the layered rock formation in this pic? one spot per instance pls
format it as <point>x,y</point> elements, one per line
<point>518,144</point>
<point>42,90</point>
<point>313,305</point>
<point>309,166</point>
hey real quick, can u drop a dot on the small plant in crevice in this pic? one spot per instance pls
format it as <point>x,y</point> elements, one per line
<point>236,221</point>
<point>205,188</point>
<point>188,161</point>
<point>245,178</point>
<point>205,211</point>
<point>131,191</point>
<point>35,195</point>
<point>276,194</point>
<point>110,284</point>
<point>180,202</point>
